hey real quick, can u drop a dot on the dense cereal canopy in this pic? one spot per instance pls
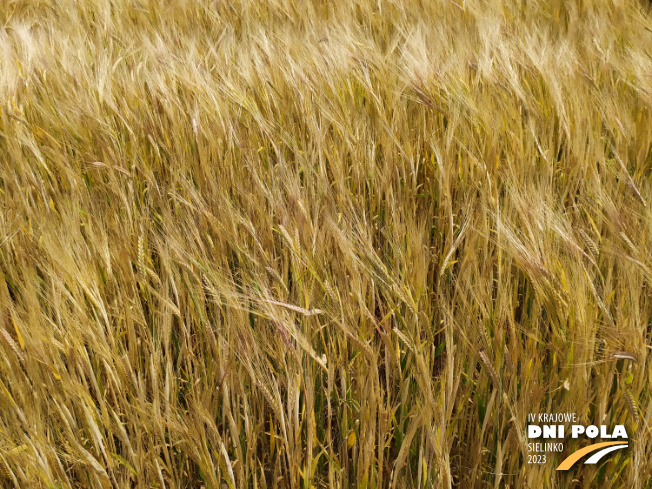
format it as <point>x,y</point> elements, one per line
<point>310,244</point>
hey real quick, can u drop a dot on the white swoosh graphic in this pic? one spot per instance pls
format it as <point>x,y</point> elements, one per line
<point>597,456</point>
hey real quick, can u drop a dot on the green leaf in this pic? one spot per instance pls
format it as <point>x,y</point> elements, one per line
<point>121,460</point>
<point>482,408</point>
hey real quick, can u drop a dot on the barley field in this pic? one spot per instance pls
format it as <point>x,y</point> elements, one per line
<point>346,244</point>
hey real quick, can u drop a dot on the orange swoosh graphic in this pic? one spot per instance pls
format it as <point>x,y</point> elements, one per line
<point>575,456</point>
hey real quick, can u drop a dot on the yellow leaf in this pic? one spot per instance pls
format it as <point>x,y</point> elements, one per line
<point>54,372</point>
<point>272,438</point>
<point>595,228</point>
<point>18,335</point>
<point>351,439</point>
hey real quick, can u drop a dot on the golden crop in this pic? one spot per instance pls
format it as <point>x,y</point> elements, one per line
<point>312,244</point>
